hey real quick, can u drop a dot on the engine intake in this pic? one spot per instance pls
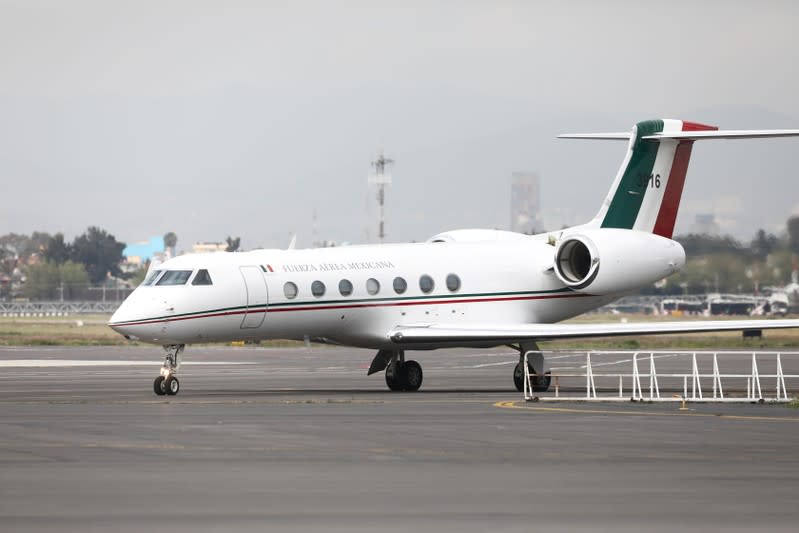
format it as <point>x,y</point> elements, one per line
<point>576,265</point>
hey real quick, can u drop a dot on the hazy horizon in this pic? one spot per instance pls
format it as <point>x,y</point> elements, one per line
<point>246,118</point>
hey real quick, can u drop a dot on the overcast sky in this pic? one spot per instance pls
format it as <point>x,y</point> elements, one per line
<point>245,118</point>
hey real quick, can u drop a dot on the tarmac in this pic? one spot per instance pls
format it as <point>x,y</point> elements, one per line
<point>297,439</point>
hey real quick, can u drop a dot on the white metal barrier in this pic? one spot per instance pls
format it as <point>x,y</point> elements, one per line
<point>643,382</point>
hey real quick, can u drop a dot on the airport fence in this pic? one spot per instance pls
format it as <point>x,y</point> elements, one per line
<point>29,309</point>
<point>684,376</point>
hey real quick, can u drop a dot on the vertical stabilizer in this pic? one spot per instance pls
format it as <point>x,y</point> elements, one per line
<point>645,195</point>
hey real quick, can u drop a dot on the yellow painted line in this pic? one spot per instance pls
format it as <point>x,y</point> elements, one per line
<point>514,405</point>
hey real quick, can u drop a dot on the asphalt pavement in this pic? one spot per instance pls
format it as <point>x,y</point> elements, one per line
<point>302,440</point>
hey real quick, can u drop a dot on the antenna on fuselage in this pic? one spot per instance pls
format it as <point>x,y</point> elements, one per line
<point>381,179</point>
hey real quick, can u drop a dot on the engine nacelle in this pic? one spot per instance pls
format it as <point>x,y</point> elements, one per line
<point>610,260</point>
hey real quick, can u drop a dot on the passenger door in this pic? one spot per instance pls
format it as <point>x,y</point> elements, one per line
<point>257,297</point>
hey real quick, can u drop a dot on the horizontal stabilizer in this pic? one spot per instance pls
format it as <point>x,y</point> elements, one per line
<point>505,334</point>
<point>619,136</point>
<point>686,135</point>
<point>722,134</point>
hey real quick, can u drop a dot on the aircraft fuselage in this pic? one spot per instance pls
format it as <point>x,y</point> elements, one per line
<point>351,295</point>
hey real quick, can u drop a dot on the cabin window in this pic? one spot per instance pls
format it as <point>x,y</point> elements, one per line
<point>151,277</point>
<point>400,285</point>
<point>372,286</point>
<point>318,288</point>
<point>426,283</point>
<point>453,282</point>
<point>345,287</point>
<point>290,290</point>
<point>202,278</point>
<point>175,277</point>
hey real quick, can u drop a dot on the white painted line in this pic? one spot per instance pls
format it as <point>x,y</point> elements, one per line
<point>484,365</point>
<point>56,363</point>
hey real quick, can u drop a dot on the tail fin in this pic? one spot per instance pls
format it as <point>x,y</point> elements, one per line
<point>645,195</point>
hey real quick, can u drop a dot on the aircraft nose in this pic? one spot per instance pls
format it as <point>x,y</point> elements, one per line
<point>121,318</point>
<point>137,318</point>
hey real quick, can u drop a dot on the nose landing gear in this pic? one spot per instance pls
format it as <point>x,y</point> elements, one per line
<point>167,383</point>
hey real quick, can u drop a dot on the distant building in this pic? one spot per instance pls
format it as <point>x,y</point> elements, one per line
<point>208,247</point>
<point>705,224</point>
<point>141,252</point>
<point>525,203</point>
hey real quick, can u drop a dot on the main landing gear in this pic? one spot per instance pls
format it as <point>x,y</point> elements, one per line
<point>539,379</point>
<point>401,375</point>
<point>167,382</point>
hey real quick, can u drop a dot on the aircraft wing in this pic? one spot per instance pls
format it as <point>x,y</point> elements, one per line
<point>506,334</point>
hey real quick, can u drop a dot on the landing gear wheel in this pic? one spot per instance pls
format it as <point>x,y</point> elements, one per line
<point>158,386</point>
<point>395,376</point>
<point>539,383</point>
<point>172,385</point>
<point>412,375</point>
<point>518,377</point>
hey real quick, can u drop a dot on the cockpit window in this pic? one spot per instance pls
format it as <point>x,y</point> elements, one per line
<point>151,277</point>
<point>175,277</point>
<point>202,278</point>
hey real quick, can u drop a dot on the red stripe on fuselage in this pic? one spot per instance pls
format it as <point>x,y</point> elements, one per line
<point>351,306</point>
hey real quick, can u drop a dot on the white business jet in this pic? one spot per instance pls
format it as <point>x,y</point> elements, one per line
<point>464,288</point>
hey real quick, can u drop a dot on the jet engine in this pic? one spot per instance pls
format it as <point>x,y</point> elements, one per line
<point>609,260</point>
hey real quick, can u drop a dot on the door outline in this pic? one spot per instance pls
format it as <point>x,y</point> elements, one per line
<point>254,281</point>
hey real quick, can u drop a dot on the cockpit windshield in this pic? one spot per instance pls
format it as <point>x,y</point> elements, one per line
<point>151,277</point>
<point>174,277</point>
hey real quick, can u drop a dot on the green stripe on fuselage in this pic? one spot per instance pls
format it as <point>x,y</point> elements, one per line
<point>629,195</point>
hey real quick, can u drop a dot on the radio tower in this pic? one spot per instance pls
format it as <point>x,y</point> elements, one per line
<point>381,179</point>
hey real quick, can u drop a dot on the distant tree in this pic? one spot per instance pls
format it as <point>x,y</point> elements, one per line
<point>73,278</point>
<point>138,276</point>
<point>41,281</point>
<point>7,265</point>
<point>233,244</point>
<point>56,250</point>
<point>99,252</point>
<point>38,242</point>
<point>696,244</point>
<point>23,246</point>
<point>763,244</point>
<point>46,280</point>
<point>170,241</point>
<point>5,256</point>
<point>793,234</point>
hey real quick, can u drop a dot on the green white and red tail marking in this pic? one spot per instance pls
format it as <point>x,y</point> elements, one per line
<point>645,196</point>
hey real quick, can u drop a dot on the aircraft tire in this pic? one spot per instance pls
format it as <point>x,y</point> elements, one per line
<point>158,386</point>
<point>172,385</point>
<point>541,383</point>
<point>412,376</point>
<point>518,377</point>
<point>395,376</point>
